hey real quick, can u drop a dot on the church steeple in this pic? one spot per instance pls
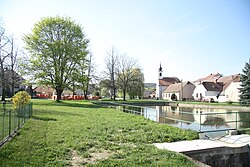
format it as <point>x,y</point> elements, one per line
<point>160,72</point>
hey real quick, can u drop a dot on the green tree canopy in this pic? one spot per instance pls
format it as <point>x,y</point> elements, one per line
<point>245,90</point>
<point>136,85</point>
<point>56,45</point>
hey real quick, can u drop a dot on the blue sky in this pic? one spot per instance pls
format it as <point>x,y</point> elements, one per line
<point>190,38</point>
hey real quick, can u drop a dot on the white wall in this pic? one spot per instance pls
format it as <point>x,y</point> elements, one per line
<point>159,91</point>
<point>199,89</point>
<point>232,93</point>
<point>167,96</point>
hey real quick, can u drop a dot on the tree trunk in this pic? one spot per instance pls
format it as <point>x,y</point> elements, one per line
<point>124,94</point>
<point>3,83</point>
<point>114,93</point>
<point>59,94</point>
<point>3,93</point>
<point>85,95</point>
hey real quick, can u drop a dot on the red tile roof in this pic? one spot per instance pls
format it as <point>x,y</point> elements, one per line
<point>176,87</point>
<point>210,78</point>
<point>166,81</point>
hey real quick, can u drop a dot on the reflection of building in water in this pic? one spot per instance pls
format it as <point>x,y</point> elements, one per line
<point>225,117</point>
<point>170,115</point>
<point>207,118</point>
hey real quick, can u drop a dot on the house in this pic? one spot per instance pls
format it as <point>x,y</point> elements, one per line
<point>163,83</point>
<point>43,92</point>
<point>207,91</point>
<point>179,91</point>
<point>231,86</point>
<point>218,88</point>
<point>149,94</point>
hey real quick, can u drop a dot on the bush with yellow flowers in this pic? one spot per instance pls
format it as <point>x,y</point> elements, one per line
<point>20,99</point>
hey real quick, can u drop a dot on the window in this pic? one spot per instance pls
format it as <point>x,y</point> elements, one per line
<point>197,95</point>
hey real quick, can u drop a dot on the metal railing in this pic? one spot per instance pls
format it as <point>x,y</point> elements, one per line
<point>213,122</point>
<point>11,120</point>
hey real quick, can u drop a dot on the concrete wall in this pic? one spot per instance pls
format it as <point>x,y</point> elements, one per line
<point>222,156</point>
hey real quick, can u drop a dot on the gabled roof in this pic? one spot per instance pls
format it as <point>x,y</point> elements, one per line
<point>42,88</point>
<point>229,79</point>
<point>210,78</point>
<point>212,86</point>
<point>166,81</point>
<point>148,92</point>
<point>173,88</point>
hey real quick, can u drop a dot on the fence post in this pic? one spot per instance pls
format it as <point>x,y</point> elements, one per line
<point>3,126</point>
<point>200,120</point>
<point>9,123</point>
<point>236,121</point>
<point>18,117</point>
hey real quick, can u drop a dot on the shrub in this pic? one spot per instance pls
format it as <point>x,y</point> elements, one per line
<point>20,99</point>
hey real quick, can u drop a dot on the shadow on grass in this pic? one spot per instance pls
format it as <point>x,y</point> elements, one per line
<point>81,104</point>
<point>43,118</point>
<point>56,113</point>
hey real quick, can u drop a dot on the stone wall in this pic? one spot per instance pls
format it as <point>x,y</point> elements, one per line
<point>222,156</point>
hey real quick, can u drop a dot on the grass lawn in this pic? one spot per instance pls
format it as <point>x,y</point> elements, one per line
<point>74,133</point>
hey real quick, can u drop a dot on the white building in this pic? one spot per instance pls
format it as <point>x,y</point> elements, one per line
<point>218,88</point>
<point>207,91</point>
<point>181,91</point>
<point>163,83</point>
<point>231,86</point>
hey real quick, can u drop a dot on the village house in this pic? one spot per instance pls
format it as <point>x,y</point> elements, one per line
<point>217,88</point>
<point>231,88</point>
<point>207,91</point>
<point>179,91</point>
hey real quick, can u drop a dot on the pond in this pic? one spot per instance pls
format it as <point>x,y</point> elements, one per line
<point>209,122</point>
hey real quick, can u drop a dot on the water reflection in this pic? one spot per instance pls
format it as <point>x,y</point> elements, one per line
<point>198,119</point>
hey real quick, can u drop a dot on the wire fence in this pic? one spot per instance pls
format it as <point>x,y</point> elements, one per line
<point>11,120</point>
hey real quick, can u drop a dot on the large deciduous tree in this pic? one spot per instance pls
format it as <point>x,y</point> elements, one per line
<point>245,90</point>
<point>125,73</point>
<point>56,45</point>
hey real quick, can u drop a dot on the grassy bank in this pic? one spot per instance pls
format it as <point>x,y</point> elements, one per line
<point>207,103</point>
<point>245,131</point>
<point>80,133</point>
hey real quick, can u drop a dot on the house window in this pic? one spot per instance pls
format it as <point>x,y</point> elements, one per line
<point>226,96</point>
<point>197,95</point>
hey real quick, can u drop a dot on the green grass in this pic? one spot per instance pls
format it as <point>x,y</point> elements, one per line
<point>245,131</point>
<point>206,103</point>
<point>146,101</point>
<point>80,133</point>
